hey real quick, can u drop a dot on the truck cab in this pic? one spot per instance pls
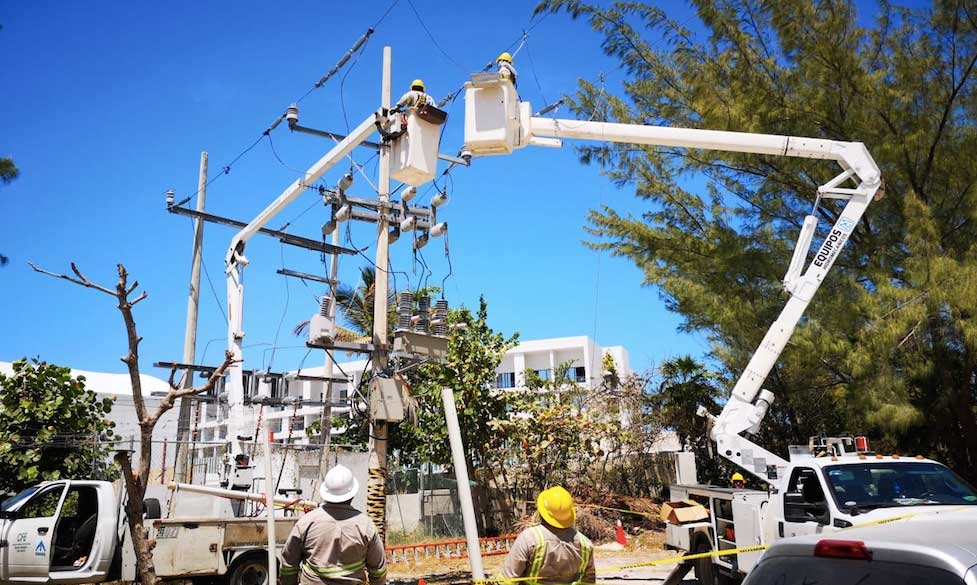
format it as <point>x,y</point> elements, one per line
<point>59,531</point>
<point>829,485</point>
<point>828,493</point>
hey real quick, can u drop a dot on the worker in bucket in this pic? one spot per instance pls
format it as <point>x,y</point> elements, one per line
<point>417,96</point>
<point>738,481</point>
<point>335,543</point>
<point>552,551</point>
<point>506,69</point>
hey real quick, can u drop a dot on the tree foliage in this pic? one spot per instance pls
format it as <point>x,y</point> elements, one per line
<point>475,350</point>
<point>889,346</point>
<point>685,386</point>
<point>53,427</point>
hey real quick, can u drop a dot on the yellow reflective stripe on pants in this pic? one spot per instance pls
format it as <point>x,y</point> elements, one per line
<point>289,570</point>
<point>333,571</point>
<point>539,554</point>
<point>377,572</point>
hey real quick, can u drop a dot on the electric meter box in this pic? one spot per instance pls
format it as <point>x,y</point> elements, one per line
<point>386,400</point>
<point>414,157</point>
<point>496,122</point>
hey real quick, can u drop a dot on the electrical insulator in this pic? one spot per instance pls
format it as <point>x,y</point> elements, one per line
<point>409,193</point>
<point>439,229</point>
<point>409,223</point>
<point>292,115</point>
<point>439,324</point>
<point>328,227</point>
<point>423,308</point>
<point>345,181</point>
<point>324,305</point>
<point>405,302</point>
<point>170,197</point>
<point>343,213</point>
<point>439,200</point>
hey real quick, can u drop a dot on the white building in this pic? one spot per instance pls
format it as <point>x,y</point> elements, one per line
<point>299,396</point>
<point>544,356</point>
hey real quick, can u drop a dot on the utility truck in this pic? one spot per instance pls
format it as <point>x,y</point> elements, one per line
<point>828,485</point>
<point>75,531</point>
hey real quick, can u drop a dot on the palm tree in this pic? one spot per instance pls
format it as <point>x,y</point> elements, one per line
<point>355,307</point>
<point>8,172</point>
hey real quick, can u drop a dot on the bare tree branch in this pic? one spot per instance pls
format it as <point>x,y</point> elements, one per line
<point>175,393</point>
<point>81,280</point>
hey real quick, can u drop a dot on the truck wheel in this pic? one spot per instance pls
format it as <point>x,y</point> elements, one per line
<point>251,569</point>
<point>705,570</point>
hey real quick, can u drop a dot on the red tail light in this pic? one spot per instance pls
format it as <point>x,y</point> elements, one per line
<point>842,549</point>
<point>861,443</point>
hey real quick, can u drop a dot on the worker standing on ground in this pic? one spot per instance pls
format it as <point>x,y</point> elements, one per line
<point>738,481</point>
<point>417,96</point>
<point>334,543</point>
<point>506,70</point>
<point>552,551</point>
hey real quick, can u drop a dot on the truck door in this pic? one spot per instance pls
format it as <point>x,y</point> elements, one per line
<point>29,535</point>
<point>805,507</point>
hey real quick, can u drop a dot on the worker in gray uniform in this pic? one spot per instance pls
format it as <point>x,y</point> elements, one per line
<point>552,552</point>
<point>335,544</point>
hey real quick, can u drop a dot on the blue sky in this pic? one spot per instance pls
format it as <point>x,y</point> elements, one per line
<point>107,105</point>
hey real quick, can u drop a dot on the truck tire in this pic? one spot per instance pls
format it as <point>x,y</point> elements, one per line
<point>250,569</point>
<point>705,570</point>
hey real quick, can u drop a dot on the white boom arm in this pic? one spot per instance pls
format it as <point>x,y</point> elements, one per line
<point>236,261</point>
<point>748,404</point>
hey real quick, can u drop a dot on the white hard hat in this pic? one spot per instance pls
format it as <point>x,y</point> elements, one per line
<point>339,485</point>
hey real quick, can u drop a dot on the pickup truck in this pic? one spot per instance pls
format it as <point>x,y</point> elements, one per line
<point>74,531</point>
<point>826,489</point>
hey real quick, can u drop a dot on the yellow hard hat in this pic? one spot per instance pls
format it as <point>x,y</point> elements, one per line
<point>417,84</point>
<point>505,57</point>
<point>555,506</point>
<point>737,477</point>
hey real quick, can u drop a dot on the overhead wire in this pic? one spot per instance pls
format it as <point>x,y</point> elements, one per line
<point>433,40</point>
<point>288,296</point>
<point>210,283</point>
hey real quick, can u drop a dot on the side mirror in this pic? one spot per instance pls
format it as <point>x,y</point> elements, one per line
<point>7,515</point>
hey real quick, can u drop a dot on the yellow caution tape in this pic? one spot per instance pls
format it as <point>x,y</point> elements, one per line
<point>670,560</point>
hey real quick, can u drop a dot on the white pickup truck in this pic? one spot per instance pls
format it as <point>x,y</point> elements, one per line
<point>826,488</point>
<point>73,531</point>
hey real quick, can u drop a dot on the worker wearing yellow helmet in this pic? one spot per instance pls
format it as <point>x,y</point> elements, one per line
<point>415,97</point>
<point>552,551</point>
<point>738,481</point>
<point>506,69</point>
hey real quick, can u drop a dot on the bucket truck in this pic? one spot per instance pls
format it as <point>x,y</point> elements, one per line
<point>832,483</point>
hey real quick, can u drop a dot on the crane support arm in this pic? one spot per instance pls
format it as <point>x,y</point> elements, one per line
<point>749,403</point>
<point>236,261</point>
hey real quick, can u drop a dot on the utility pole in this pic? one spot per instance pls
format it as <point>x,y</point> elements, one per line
<point>376,497</point>
<point>190,336</point>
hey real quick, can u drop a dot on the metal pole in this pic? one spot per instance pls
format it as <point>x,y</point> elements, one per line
<point>190,335</point>
<point>270,506</point>
<point>376,497</point>
<point>464,489</point>
<point>325,422</point>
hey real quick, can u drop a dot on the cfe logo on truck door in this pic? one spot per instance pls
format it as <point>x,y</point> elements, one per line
<point>833,243</point>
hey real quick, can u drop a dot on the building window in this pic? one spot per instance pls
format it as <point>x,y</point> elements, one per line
<point>505,380</point>
<point>545,375</point>
<point>578,374</point>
